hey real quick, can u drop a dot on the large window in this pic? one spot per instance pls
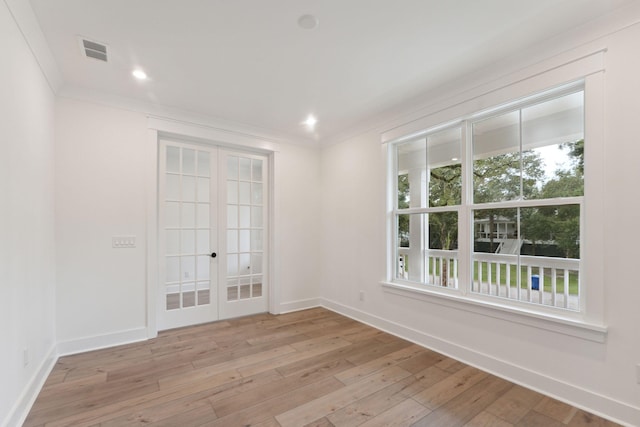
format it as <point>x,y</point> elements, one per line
<point>491,206</point>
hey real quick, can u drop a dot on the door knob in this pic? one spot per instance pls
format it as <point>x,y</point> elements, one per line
<point>213,254</point>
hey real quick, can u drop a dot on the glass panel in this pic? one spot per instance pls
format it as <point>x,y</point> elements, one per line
<point>204,296</point>
<point>496,244</point>
<point>257,290</point>
<point>232,241</point>
<point>188,245</point>
<point>203,189</point>
<point>202,241</point>
<point>232,192</point>
<point>188,189</point>
<point>232,167</point>
<point>443,230</point>
<point>245,193</point>
<point>496,158</point>
<point>203,267</point>
<point>173,159</point>
<point>256,193</point>
<point>256,263</point>
<point>551,231</point>
<point>410,256</point>
<point>256,170</point>
<point>245,169</point>
<point>445,168</point>
<point>553,144</point>
<point>232,293</point>
<point>232,216</point>
<point>493,228</point>
<point>244,216</point>
<point>173,187</point>
<point>256,240</point>
<point>256,216</point>
<point>203,163</point>
<point>203,215</point>
<point>188,299</point>
<point>412,174</point>
<point>173,301</point>
<point>188,266</point>
<point>172,215</point>
<point>232,265</point>
<point>245,264</point>
<point>188,161</point>
<point>188,215</point>
<point>173,269</point>
<point>173,242</point>
<point>245,291</point>
<point>245,241</point>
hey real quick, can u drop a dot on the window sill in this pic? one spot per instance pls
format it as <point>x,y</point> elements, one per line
<point>572,327</point>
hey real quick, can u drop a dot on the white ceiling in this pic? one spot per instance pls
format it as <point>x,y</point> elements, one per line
<point>247,61</point>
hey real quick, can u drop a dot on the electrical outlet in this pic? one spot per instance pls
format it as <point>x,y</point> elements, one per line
<point>25,357</point>
<point>361,295</point>
<point>123,241</point>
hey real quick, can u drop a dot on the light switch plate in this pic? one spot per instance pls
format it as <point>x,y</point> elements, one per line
<point>123,241</point>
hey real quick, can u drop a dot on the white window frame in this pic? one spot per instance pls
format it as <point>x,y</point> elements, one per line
<point>588,323</point>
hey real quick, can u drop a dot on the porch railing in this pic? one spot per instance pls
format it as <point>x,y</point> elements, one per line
<point>543,280</point>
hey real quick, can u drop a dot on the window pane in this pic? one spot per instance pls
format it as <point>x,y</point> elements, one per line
<point>188,161</point>
<point>203,163</point>
<point>412,174</point>
<point>203,189</point>
<point>188,189</point>
<point>244,169</point>
<point>232,167</point>
<point>172,215</point>
<point>232,241</point>
<point>188,245</point>
<point>445,169</point>
<point>496,158</point>
<point>188,219</point>
<point>442,257</point>
<point>256,170</point>
<point>232,216</point>
<point>410,254</point>
<point>443,230</point>
<point>173,187</point>
<point>173,159</point>
<point>551,231</point>
<point>553,138</point>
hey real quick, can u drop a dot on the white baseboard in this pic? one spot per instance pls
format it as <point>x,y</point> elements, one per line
<point>98,342</point>
<point>588,400</point>
<point>20,410</point>
<point>291,306</point>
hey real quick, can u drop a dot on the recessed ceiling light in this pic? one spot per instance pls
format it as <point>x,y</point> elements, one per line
<point>308,22</point>
<point>139,74</point>
<point>310,122</point>
<point>454,159</point>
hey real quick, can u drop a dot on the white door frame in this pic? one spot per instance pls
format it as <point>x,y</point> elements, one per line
<point>233,140</point>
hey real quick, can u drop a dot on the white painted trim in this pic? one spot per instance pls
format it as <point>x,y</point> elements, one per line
<point>27,23</point>
<point>274,244</point>
<point>577,396</point>
<point>571,327</point>
<point>514,89</point>
<point>20,410</point>
<point>303,304</point>
<point>97,342</point>
<point>152,266</point>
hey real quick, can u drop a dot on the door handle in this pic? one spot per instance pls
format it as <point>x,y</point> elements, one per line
<point>213,254</point>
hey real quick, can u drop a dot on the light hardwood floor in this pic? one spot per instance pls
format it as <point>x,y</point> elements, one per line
<point>309,368</point>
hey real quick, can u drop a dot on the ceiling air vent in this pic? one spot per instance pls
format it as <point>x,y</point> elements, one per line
<point>94,50</point>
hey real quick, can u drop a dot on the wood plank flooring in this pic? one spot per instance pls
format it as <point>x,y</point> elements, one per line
<point>309,368</point>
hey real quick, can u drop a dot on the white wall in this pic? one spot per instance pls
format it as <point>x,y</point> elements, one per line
<point>27,271</point>
<point>598,376</point>
<point>102,164</point>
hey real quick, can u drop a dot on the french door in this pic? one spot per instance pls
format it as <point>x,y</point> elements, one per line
<point>212,234</point>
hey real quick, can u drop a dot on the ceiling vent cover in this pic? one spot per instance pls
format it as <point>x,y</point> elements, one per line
<point>94,50</point>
